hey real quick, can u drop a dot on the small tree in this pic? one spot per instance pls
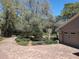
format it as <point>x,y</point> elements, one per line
<point>36,32</point>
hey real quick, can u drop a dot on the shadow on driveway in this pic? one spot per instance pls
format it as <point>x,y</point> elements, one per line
<point>77,53</point>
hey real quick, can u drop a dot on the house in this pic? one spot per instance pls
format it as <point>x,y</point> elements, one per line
<point>69,32</point>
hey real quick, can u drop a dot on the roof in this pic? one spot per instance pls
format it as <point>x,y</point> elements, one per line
<point>70,20</point>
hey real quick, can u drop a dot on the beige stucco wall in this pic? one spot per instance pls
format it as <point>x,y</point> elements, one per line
<point>70,39</point>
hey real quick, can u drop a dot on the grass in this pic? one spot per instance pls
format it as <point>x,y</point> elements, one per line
<point>1,38</point>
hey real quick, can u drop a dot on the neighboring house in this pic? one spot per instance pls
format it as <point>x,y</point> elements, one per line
<point>69,32</point>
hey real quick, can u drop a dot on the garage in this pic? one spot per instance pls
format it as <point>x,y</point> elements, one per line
<point>69,32</point>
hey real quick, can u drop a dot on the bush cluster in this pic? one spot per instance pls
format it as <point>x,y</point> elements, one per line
<point>25,41</point>
<point>22,41</point>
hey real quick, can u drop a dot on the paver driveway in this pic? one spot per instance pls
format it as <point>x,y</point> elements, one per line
<point>10,50</point>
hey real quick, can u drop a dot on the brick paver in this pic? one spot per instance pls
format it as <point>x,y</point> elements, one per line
<point>10,50</point>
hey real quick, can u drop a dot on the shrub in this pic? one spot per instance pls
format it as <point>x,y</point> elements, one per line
<point>48,41</point>
<point>22,41</point>
<point>55,38</point>
<point>37,42</point>
<point>37,33</point>
<point>37,39</point>
<point>51,41</point>
<point>44,41</point>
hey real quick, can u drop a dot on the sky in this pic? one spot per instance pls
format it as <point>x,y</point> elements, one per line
<point>58,5</point>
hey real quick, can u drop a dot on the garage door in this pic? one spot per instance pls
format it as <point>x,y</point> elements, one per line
<point>66,37</point>
<point>71,38</point>
<point>74,39</point>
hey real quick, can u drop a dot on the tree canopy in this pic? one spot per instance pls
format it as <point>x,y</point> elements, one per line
<point>70,9</point>
<point>26,16</point>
